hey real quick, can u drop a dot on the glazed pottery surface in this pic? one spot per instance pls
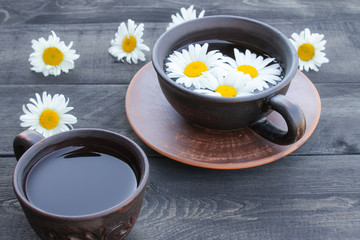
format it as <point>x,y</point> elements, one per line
<point>235,112</point>
<point>112,223</point>
<point>178,139</point>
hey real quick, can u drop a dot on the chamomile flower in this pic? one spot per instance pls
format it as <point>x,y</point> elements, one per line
<point>309,47</point>
<point>188,66</point>
<point>259,69</point>
<point>52,57</point>
<point>230,84</point>
<point>186,15</point>
<point>128,42</point>
<point>48,115</point>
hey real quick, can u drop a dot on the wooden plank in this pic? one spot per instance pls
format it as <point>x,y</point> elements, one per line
<point>259,203</point>
<point>267,202</point>
<point>103,106</point>
<point>311,194</point>
<point>65,12</point>
<point>97,66</point>
<point>13,224</point>
<point>92,42</point>
<point>336,132</point>
<point>95,106</point>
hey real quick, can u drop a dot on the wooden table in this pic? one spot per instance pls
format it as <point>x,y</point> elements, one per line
<point>313,193</point>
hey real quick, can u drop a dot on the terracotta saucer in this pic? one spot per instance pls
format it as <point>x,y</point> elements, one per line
<point>164,130</point>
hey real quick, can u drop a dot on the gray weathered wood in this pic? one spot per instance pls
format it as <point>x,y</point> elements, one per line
<point>103,106</point>
<point>97,66</point>
<point>312,194</point>
<point>267,202</point>
<point>74,12</point>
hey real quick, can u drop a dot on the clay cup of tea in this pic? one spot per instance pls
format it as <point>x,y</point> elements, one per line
<point>80,184</point>
<point>230,113</point>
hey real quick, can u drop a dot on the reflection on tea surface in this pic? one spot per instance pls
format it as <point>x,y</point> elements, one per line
<point>76,181</point>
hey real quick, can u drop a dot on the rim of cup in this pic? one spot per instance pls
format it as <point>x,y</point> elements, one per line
<point>159,63</point>
<point>33,151</point>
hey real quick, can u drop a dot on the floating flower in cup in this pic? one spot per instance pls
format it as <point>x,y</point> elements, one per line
<point>128,42</point>
<point>51,57</point>
<point>309,47</point>
<point>228,84</point>
<point>188,66</point>
<point>48,115</point>
<point>257,68</point>
<point>186,15</point>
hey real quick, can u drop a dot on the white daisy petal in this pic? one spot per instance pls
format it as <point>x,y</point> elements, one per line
<point>52,57</point>
<point>127,44</point>
<point>131,26</point>
<point>188,66</point>
<point>47,115</point>
<point>309,47</point>
<point>230,84</point>
<point>258,69</point>
<point>201,14</point>
<point>186,15</point>
<point>69,119</point>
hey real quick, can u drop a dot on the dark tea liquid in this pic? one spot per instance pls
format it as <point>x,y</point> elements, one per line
<point>75,181</point>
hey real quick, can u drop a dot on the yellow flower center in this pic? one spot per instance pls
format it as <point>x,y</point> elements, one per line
<point>52,56</point>
<point>49,119</point>
<point>226,91</point>
<point>129,44</point>
<point>195,69</point>
<point>248,69</point>
<point>306,51</point>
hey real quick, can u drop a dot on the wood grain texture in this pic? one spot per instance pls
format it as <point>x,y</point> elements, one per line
<point>83,11</point>
<point>97,66</point>
<point>312,194</point>
<point>235,206</point>
<point>267,202</point>
<point>95,106</point>
<point>103,106</point>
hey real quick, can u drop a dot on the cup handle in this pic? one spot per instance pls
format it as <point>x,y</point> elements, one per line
<point>293,116</point>
<point>24,141</point>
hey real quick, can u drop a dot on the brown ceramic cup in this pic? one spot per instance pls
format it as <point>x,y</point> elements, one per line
<point>111,223</point>
<point>235,112</point>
